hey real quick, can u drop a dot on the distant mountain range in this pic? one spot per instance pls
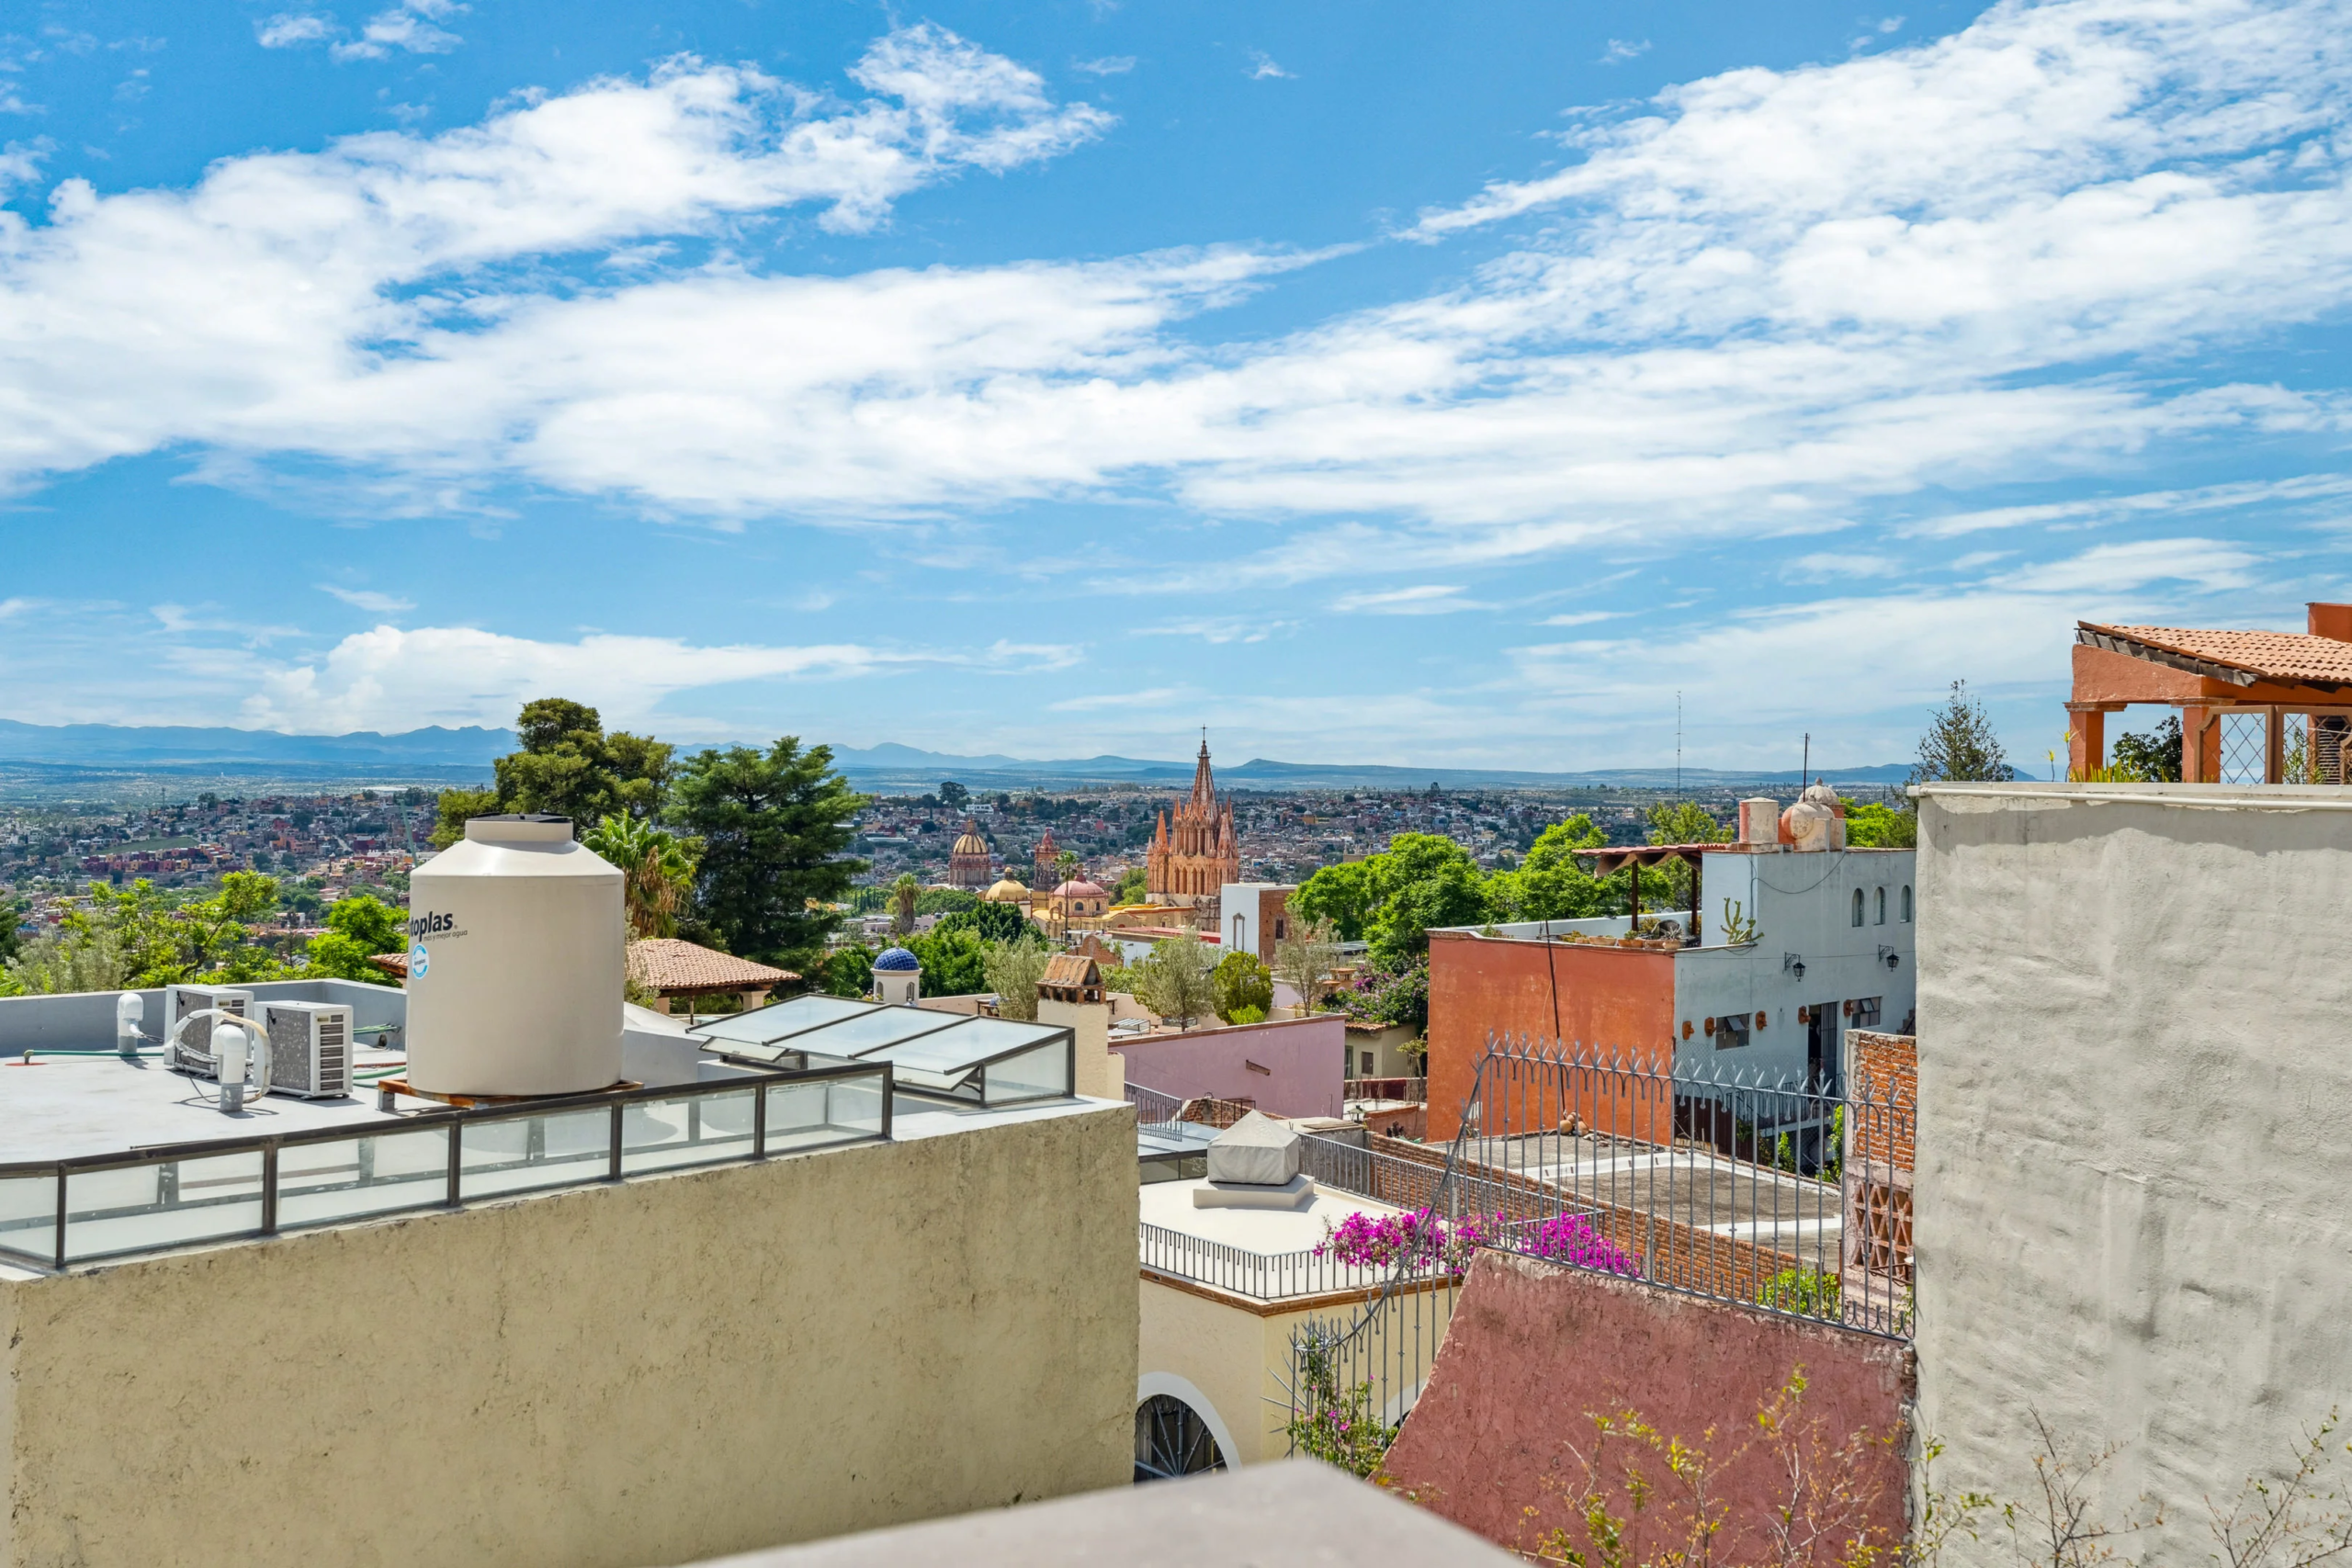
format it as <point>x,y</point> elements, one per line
<point>436,752</point>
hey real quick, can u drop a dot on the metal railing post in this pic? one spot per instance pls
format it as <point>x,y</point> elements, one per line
<point>269,1188</point>
<point>456,1156</point>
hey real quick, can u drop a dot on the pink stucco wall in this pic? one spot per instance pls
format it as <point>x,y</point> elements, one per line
<point>1535,1349</point>
<point>1305,1061</point>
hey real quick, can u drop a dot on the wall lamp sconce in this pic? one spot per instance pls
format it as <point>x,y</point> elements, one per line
<point>1888,957</point>
<point>1793,965</point>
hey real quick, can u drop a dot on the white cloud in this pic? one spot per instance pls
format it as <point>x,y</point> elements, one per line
<point>1583,618</point>
<point>1982,257</point>
<point>1839,565</point>
<point>1220,628</point>
<point>1422,599</point>
<point>289,29</point>
<point>2109,568</point>
<point>1263,67</point>
<point>387,678</point>
<point>1156,696</point>
<point>1108,65</point>
<point>366,599</point>
<point>1621,50</point>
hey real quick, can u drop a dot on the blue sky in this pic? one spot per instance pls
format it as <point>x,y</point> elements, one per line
<point>1370,383</point>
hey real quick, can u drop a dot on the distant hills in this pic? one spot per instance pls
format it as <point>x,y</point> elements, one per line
<point>440,753</point>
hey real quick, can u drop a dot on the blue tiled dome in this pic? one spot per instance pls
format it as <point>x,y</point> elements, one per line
<point>897,958</point>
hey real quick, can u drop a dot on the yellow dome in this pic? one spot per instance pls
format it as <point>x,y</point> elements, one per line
<point>971,844</point>
<point>1006,892</point>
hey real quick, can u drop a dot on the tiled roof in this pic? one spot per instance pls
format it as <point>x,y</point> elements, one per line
<point>1071,969</point>
<point>666,964</point>
<point>2274,655</point>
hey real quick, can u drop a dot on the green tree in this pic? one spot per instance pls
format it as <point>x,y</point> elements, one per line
<point>844,972</point>
<point>955,963</point>
<point>161,943</point>
<point>774,827</point>
<point>1425,880</point>
<point>1873,825</point>
<point>566,766</point>
<point>58,961</point>
<point>1174,978</point>
<point>906,898</point>
<point>1341,895</point>
<point>945,900</point>
<point>1304,960</point>
<point>954,797</point>
<point>1013,969</point>
<point>1551,883</point>
<point>1133,886</point>
<point>657,868</point>
<point>358,928</point>
<point>1960,743</point>
<point>1685,822</point>
<point>1242,988</point>
<point>2156,756</point>
<point>994,923</point>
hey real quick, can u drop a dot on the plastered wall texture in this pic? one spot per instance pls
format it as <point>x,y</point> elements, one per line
<point>1609,1000</point>
<point>1237,1352</point>
<point>1535,1349</point>
<point>1305,1061</point>
<point>649,1372</point>
<point>2135,1081</point>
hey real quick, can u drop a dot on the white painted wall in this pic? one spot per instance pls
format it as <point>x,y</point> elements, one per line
<point>2135,1082</point>
<point>1802,905</point>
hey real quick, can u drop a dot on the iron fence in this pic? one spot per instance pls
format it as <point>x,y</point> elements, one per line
<point>1769,1196</point>
<point>54,1213</point>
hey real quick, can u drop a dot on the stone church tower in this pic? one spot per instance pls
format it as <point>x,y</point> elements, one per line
<point>1194,853</point>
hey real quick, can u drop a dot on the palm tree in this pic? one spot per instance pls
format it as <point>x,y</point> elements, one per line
<point>903,894</point>
<point>655,867</point>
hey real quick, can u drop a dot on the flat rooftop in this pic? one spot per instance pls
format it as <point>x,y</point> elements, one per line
<point>1168,1204</point>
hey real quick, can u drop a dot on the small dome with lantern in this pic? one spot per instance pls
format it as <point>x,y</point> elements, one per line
<point>896,959</point>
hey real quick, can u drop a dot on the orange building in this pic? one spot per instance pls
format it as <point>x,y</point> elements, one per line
<point>2255,707</point>
<point>1197,853</point>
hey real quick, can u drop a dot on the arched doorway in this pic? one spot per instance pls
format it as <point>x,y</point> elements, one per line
<point>1171,1439</point>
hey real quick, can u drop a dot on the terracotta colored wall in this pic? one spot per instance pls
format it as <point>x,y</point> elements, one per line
<point>1609,999</point>
<point>1533,1348</point>
<point>1305,1063</point>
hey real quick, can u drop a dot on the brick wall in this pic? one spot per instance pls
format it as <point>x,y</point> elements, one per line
<point>1880,1155</point>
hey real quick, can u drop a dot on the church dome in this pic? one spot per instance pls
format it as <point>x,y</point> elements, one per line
<point>1081,890</point>
<point>896,959</point>
<point>1006,891</point>
<point>971,844</point>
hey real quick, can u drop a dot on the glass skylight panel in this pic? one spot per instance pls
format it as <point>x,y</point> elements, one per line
<point>767,1025</point>
<point>859,1037</point>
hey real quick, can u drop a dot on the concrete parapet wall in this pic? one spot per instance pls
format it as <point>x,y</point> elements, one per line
<point>651,1371</point>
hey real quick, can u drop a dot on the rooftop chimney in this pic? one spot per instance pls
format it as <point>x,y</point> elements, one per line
<point>2331,621</point>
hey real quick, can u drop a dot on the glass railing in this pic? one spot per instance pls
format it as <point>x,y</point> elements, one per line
<point>55,1213</point>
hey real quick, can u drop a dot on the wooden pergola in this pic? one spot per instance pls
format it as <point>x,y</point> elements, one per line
<point>1610,862</point>
<point>2252,703</point>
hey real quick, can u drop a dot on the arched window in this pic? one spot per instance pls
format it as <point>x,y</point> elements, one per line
<point>1881,907</point>
<point>1858,906</point>
<point>1171,1439</point>
<point>1237,934</point>
<point>1906,905</point>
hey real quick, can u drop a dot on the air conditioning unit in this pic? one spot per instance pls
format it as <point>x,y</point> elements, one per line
<point>309,1048</point>
<point>193,1051</point>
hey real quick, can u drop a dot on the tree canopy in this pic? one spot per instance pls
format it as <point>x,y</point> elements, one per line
<point>1241,987</point>
<point>1960,743</point>
<point>566,765</point>
<point>775,826</point>
<point>2153,758</point>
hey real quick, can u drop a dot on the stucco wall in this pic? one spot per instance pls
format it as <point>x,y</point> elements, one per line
<point>1305,1063</point>
<point>1609,999</point>
<point>1535,1350</point>
<point>1237,1352</point>
<point>2135,1097</point>
<point>653,1372</point>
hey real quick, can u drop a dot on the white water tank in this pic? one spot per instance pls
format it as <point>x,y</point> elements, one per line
<point>515,951</point>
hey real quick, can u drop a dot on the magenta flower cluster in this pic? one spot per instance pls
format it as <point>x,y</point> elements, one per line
<point>1418,1236</point>
<point>1570,1238</point>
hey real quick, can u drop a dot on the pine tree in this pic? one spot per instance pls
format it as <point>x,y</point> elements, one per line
<point>1960,743</point>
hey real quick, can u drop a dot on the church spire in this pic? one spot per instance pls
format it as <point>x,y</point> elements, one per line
<point>1203,780</point>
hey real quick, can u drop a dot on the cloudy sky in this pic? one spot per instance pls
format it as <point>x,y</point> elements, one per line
<point>1371,382</point>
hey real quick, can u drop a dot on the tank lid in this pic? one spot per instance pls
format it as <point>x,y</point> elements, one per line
<point>519,828</point>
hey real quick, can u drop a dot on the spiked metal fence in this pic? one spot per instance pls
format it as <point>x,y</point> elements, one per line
<point>1772,1196</point>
